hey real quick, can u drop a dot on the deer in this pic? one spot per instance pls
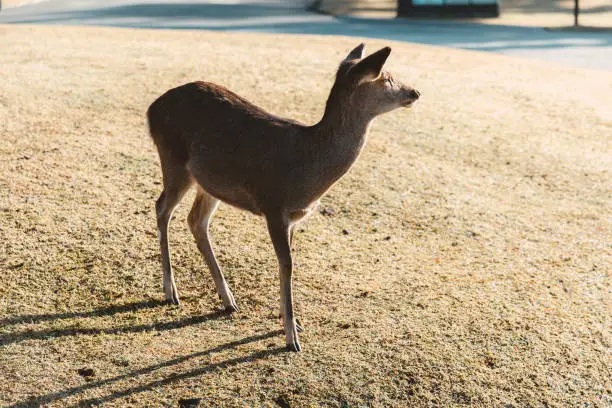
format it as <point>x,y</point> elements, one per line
<point>239,154</point>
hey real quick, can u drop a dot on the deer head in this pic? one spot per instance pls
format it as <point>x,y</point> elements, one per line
<point>363,87</point>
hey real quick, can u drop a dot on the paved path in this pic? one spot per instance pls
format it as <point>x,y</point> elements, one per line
<point>591,50</point>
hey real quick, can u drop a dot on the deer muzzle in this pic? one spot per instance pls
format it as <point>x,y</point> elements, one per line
<point>412,97</point>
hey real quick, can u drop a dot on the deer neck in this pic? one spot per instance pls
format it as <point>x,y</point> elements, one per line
<point>342,134</point>
<point>329,149</point>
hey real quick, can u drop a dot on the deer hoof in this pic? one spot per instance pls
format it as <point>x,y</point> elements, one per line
<point>298,326</point>
<point>231,309</point>
<point>172,297</point>
<point>294,346</point>
<point>174,300</point>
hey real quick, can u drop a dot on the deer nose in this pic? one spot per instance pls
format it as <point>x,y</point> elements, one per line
<point>414,94</point>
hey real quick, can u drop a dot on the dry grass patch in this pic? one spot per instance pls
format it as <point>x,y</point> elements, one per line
<point>475,269</point>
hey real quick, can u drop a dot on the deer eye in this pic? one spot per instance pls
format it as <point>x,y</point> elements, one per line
<point>388,81</point>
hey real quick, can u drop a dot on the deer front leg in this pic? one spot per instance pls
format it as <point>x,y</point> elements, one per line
<point>291,229</point>
<point>279,228</point>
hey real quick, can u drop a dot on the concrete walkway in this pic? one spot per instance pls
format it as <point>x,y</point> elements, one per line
<point>590,50</point>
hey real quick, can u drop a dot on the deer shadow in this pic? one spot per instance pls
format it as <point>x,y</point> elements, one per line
<point>169,379</point>
<point>19,336</point>
<point>106,311</point>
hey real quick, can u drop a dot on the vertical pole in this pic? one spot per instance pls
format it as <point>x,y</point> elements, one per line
<point>576,11</point>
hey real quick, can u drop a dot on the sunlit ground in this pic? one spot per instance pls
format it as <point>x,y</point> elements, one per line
<point>472,269</point>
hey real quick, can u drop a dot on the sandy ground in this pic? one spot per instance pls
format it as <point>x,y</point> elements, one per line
<point>533,13</point>
<point>473,272</point>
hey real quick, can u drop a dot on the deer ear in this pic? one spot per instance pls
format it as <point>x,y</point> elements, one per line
<point>356,54</point>
<point>369,68</point>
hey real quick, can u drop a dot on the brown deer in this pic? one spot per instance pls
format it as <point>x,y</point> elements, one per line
<point>237,153</point>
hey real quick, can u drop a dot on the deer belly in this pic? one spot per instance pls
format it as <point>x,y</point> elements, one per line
<point>224,188</point>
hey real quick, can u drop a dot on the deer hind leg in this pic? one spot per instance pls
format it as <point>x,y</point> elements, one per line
<point>279,229</point>
<point>176,184</point>
<point>199,219</point>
